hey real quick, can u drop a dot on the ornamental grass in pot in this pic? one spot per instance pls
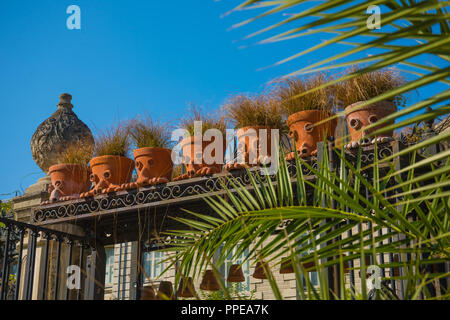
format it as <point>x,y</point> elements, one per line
<point>196,160</point>
<point>353,92</point>
<point>70,177</point>
<point>307,114</point>
<point>111,168</point>
<point>153,156</point>
<point>254,117</point>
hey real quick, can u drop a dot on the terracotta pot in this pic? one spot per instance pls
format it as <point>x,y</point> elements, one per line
<point>68,181</point>
<point>109,173</point>
<point>165,291</point>
<point>154,165</point>
<point>148,293</point>
<point>189,154</point>
<point>186,288</point>
<point>235,274</point>
<point>286,267</point>
<point>259,271</point>
<point>210,282</point>
<point>357,120</point>
<point>251,143</point>
<point>306,135</point>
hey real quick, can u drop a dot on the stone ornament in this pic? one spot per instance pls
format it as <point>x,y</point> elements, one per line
<point>56,133</point>
<point>361,118</point>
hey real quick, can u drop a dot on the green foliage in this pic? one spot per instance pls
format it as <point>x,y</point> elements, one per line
<point>261,110</point>
<point>367,86</point>
<point>208,120</point>
<point>235,291</point>
<point>79,152</point>
<point>113,141</point>
<point>149,133</point>
<point>294,97</point>
<point>318,233</point>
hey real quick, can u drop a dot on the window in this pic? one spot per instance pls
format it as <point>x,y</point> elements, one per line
<point>109,266</point>
<point>312,275</point>
<point>225,268</point>
<point>153,265</point>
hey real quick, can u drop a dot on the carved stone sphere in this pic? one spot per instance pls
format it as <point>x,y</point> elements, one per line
<point>55,134</point>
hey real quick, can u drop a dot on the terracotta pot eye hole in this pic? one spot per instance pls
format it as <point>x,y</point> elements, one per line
<point>107,175</point>
<point>355,123</point>
<point>92,177</point>
<point>139,165</point>
<point>309,127</point>
<point>373,119</point>
<point>150,162</point>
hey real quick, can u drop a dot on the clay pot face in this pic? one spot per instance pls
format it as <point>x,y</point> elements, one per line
<point>68,180</point>
<point>110,172</point>
<point>250,138</point>
<point>361,118</point>
<point>153,163</point>
<point>306,134</point>
<point>190,154</point>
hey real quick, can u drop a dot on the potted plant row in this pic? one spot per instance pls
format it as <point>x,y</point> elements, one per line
<point>309,118</point>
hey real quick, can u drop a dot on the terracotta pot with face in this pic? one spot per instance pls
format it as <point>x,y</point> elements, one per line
<point>68,181</point>
<point>302,128</point>
<point>250,139</point>
<point>109,173</point>
<point>190,154</point>
<point>359,119</point>
<point>154,166</point>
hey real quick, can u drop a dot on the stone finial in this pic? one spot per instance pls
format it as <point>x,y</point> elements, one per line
<point>55,134</point>
<point>64,101</point>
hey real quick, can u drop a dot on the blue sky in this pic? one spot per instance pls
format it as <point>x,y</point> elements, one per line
<point>130,57</point>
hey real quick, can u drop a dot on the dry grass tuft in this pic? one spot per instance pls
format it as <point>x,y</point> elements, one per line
<point>114,141</point>
<point>145,132</point>
<point>79,152</point>
<point>261,110</point>
<point>209,121</point>
<point>367,86</point>
<point>290,91</point>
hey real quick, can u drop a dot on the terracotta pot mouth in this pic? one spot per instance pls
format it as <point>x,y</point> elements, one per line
<point>146,150</point>
<point>107,159</point>
<point>386,104</point>
<point>67,166</point>
<point>306,115</point>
